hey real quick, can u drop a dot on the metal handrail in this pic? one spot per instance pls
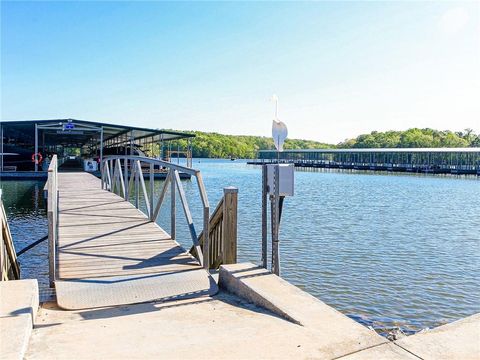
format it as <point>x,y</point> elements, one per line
<point>124,174</point>
<point>52,215</point>
<point>9,267</point>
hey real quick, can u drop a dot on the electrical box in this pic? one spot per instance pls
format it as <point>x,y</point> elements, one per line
<point>286,173</point>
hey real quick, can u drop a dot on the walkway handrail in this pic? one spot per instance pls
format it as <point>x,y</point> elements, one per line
<point>9,267</point>
<point>223,230</point>
<point>52,215</point>
<point>124,174</point>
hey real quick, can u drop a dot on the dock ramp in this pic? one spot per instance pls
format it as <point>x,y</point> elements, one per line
<point>110,253</point>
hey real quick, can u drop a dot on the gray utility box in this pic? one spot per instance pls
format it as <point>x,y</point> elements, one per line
<point>286,172</point>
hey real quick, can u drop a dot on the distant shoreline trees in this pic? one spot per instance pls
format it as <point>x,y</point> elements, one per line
<point>414,138</point>
<point>214,145</point>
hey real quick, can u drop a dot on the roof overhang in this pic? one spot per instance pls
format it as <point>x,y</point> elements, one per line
<point>77,131</point>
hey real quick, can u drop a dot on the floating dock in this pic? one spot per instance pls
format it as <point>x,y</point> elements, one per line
<point>454,161</point>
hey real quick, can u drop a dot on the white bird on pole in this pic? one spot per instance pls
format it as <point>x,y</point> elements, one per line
<point>279,129</point>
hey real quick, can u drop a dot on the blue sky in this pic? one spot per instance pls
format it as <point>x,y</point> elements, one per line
<point>338,68</point>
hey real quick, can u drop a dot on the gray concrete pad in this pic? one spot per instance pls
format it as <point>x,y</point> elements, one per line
<point>457,340</point>
<point>337,334</point>
<point>221,327</point>
<point>18,309</point>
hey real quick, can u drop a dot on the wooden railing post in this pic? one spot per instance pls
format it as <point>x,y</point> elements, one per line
<point>230,202</point>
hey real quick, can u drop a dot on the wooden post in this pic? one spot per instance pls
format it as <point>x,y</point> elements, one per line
<point>264,216</point>
<point>230,201</point>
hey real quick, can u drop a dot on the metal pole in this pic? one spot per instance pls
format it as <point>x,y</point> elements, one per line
<point>101,144</point>
<point>1,148</point>
<point>206,238</point>
<point>172,208</point>
<point>131,142</point>
<point>152,181</point>
<point>161,147</point>
<point>138,173</point>
<point>36,148</point>
<point>275,221</point>
<point>264,216</point>
<point>189,152</point>
<point>125,170</point>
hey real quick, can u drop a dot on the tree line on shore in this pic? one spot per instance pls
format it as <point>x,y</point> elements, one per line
<point>214,145</point>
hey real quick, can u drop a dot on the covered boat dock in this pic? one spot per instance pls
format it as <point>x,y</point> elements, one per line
<point>459,161</point>
<point>26,145</point>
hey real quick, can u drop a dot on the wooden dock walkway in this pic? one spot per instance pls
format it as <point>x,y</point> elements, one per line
<point>110,253</point>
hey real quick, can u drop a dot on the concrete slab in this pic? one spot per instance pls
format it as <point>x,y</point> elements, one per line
<point>19,297</point>
<point>18,309</point>
<point>220,327</point>
<point>457,340</point>
<point>336,332</point>
<point>14,336</point>
<point>385,352</point>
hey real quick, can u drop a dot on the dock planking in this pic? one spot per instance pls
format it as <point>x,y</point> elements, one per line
<point>110,253</point>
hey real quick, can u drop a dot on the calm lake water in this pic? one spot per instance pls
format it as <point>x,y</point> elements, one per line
<point>387,250</point>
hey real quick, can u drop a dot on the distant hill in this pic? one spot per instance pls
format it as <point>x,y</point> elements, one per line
<point>214,145</point>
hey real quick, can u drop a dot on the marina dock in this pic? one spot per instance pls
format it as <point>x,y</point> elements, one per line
<point>452,161</point>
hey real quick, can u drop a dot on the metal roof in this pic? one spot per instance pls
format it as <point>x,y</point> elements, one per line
<point>379,150</point>
<point>109,130</point>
